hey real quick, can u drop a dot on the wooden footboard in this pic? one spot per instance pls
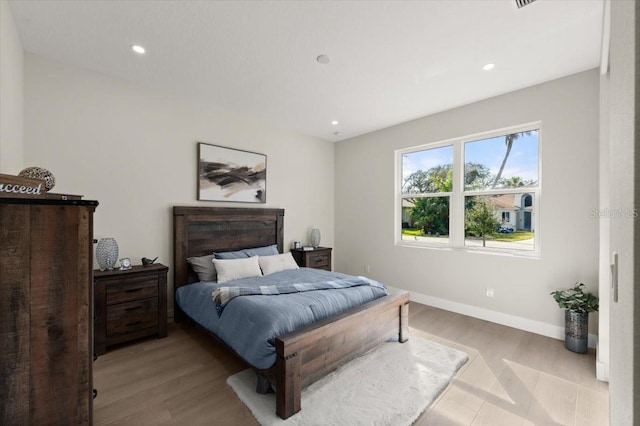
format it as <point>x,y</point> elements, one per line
<point>306,356</point>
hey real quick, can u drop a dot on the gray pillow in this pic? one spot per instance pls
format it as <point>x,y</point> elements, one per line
<point>271,250</point>
<point>250,252</point>
<point>240,254</point>
<point>204,267</point>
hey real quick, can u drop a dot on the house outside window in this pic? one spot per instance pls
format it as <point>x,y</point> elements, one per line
<point>478,192</point>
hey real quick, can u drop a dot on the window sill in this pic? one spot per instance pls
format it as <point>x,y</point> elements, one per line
<point>474,250</point>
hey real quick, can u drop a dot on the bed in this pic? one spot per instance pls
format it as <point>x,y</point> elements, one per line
<point>304,355</point>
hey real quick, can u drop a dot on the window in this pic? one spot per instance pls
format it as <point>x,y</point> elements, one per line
<point>479,192</point>
<point>427,185</point>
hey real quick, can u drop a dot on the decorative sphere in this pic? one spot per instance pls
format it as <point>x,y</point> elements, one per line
<point>40,174</point>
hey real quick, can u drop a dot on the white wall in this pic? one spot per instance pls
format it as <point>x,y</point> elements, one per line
<point>134,150</point>
<point>604,174</point>
<point>457,279</point>
<point>11,88</point>
<point>621,137</point>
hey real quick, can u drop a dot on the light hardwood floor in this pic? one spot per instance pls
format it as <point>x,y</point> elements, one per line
<point>512,378</point>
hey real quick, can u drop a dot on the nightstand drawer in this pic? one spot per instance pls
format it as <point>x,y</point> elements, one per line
<point>132,290</point>
<point>133,316</point>
<point>319,260</point>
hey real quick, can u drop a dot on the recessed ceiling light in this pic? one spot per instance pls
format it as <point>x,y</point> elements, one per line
<point>323,59</point>
<point>489,67</point>
<point>334,122</point>
<point>138,49</point>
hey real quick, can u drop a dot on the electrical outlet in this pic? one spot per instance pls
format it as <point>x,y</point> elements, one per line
<point>367,268</point>
<point>489,292</point>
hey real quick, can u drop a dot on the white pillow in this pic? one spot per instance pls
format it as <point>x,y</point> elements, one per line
<point>277,263</point>
<point>234,269</point>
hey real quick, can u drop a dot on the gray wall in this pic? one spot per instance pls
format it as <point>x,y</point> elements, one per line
<point>134,150</point>
<point>458,279</point>
<point>12,99</point>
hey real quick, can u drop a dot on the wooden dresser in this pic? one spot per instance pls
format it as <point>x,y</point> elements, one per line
<point>319,258</point>
<point>46,313</point>
<point>130,304</point>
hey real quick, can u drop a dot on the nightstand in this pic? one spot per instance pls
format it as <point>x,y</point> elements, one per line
<point>129,304</point>
<point>319,258</point>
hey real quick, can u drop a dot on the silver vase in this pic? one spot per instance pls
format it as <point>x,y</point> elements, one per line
<point>314,239</point>
<point>576,331</point>
<point>107,253</point>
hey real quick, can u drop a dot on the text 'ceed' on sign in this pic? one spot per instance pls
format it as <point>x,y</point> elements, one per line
<point>18,186</point>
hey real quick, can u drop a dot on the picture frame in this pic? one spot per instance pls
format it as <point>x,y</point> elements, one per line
<point>229,174</point>
<point>125,263</point>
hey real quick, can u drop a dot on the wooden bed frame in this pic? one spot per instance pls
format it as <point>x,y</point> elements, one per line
<point>304,356</point>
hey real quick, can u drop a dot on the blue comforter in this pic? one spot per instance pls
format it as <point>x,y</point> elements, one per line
<point>250,324</point>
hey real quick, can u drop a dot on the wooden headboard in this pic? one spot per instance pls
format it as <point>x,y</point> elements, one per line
<point>199,231</point>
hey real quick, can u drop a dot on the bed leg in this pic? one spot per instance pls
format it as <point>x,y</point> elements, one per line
<point>262,385</point>
<point>288,390</point>
<point>404,323</point>
<point>178,315</point>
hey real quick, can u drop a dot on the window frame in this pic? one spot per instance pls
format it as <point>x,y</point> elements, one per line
<point>458,194</point>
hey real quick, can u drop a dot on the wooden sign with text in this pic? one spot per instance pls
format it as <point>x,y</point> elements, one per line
<point>21,187</point>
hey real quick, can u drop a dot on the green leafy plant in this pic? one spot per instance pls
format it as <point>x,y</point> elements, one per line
<point>481,220</point>
<point>575,299</point>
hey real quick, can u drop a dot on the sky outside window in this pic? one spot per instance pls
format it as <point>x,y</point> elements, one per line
<point>522,161</point>
<point>425,160</point>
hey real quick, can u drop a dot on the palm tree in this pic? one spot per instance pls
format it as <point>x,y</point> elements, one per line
<point>513,182</point>
<point>508,141</point>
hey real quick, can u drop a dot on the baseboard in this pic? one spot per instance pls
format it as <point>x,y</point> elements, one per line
<point>520,323</point>
<point>602,371</point>
<point>602,368</point>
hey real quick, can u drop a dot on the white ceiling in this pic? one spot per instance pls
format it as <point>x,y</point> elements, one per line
<point>391,61</point>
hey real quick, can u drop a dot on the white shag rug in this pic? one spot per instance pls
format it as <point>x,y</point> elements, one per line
<point>390,385</point>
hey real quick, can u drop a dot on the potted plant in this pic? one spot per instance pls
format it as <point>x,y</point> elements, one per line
<point>577,305</point>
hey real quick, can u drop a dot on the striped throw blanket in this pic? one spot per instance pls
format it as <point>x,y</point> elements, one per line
<point>223,295</point>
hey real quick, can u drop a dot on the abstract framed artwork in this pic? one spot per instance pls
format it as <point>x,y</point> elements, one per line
<point>227,174</point>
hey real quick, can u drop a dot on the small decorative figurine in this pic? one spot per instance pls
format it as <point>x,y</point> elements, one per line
<point>147,262</point>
